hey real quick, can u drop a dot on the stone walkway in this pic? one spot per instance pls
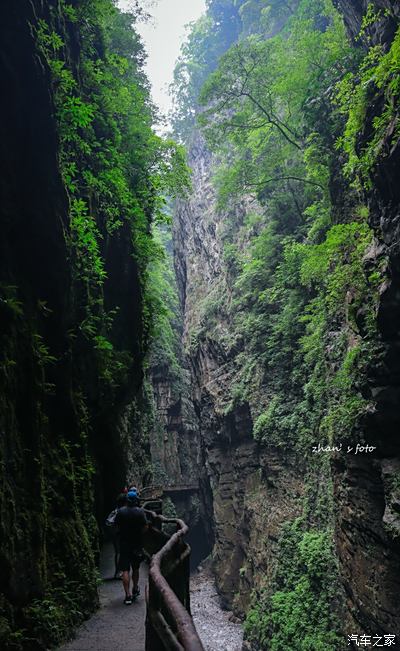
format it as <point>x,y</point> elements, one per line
<point>114,627</point>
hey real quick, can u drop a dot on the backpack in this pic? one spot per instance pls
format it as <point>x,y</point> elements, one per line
<point>110,520</point>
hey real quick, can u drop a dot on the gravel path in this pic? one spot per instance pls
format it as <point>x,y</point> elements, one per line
<point>216,631</point>
<point>114,627</point>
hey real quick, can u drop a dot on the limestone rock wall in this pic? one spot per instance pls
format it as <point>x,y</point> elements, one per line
<point>251,491</point>
<point>246,492</point>
<point>381,31</point>
<point>65,447</point>
<point>367,494</point>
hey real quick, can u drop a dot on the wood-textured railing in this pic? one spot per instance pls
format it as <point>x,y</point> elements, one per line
<point>157,491</point>
<point>169,625</point>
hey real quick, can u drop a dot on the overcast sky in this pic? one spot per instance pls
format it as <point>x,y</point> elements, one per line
<point>163,37</point>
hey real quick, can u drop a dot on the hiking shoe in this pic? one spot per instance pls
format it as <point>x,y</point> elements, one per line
<point>128,601</point>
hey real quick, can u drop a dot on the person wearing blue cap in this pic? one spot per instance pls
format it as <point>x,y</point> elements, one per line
<point>131,522</point>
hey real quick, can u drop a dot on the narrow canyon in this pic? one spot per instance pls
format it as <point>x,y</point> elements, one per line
<point>213,313</point>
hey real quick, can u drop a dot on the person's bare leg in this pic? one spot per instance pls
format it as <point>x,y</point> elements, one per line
<point>135,580</point>
<point>115,554</point>
<point>125,582</point>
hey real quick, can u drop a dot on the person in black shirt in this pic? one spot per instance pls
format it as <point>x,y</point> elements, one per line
<point>131,522</point>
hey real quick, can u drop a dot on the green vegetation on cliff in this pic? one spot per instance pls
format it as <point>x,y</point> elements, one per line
<point>88,298</point>
<point>85,183</point>
<point>376,77</point>
<point>298,615</point>
<point>115,169</point>
<point>297,290</point>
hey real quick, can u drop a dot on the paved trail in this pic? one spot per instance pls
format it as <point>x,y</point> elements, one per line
<point>114,627</point>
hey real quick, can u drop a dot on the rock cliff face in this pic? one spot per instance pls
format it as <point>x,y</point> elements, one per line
<point>246,492</point>
<point>62,440</point>
<point>177,457</point>
<point>249,491</point>
<point>381,30</point>
<point>367,494</point>
<point>367,491</point>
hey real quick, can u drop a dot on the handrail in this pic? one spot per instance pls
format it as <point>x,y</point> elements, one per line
<point>152,488</point>
<point>160,489</point>
<point>169,623</point>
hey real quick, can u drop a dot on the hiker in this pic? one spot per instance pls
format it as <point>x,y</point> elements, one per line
<point>131,522</point>
<point>114,532</point>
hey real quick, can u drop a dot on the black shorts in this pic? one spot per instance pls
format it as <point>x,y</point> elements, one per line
<point>129,558</point>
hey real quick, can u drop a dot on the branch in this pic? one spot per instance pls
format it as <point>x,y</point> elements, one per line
<point>244,125</point>
<point>293,133</point>
<point>296,203</point>
<point>271,120</point>
<point>285,178</point>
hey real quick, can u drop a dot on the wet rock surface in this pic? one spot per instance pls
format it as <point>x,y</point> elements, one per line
<point>219,629</point>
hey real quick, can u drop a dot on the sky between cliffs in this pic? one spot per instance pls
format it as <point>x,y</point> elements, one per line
<point>163,37</point>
